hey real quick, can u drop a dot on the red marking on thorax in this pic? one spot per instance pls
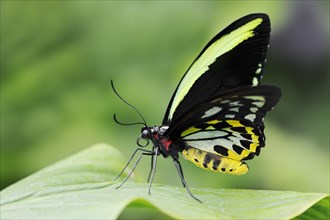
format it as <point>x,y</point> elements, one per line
<point>166,143</point>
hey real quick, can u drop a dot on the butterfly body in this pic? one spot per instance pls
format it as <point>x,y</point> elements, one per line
<point>215,116</point>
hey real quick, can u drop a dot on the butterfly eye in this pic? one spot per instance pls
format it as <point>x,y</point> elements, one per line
<point>145,134</point>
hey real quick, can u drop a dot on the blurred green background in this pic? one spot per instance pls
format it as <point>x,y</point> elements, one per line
<point>57,59</point>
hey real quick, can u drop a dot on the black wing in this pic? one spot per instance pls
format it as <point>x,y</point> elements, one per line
<point>234,57</point>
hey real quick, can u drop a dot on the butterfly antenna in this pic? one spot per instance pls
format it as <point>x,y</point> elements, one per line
<point>121,123</point>
<point>114,116</point>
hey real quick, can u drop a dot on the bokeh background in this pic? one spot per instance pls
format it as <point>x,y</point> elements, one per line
<point>57,59</point>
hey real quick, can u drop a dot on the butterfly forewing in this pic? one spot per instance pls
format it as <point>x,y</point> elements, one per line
<point>234,57</point>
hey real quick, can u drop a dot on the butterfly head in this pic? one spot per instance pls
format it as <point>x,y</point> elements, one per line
<point>145,136</point>
<point>150,133</point>
<point>146,132</point>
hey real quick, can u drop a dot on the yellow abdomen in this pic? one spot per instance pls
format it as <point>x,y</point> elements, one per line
<point>215,162</point>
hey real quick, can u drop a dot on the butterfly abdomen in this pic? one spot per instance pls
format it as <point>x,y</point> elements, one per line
<point>214,162</point>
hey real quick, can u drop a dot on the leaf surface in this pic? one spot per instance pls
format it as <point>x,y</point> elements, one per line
<point>81,187</point>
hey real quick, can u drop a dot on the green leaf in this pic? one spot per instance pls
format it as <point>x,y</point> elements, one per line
<point>81,187</point>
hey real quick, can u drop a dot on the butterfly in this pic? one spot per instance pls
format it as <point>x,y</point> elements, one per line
<point>215,116</point>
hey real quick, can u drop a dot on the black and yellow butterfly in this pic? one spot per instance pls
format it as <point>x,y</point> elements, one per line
<point>215,116</point>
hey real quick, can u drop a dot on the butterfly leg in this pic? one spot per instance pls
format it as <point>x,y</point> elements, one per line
<point>144,152</point>
<point>153,167</point>
<point>180,171</point>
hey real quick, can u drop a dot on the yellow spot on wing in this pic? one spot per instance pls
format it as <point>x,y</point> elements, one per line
<point>238,157</point>
<point>234,123</point>
<point>253,147</point>
<point>255,81</point>
<point>212,122</point>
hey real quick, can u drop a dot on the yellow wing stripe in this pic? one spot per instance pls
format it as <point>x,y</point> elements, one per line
<point>190,131</point>
<point>218,48</point>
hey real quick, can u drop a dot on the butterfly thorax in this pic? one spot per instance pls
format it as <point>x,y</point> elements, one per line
<point>166,145</point>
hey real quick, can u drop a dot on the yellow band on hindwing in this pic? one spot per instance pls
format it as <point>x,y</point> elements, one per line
<point>214,162</point>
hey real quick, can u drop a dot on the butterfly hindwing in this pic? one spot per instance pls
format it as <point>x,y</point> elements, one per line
<point>233,139</point>
<point>228,129</point>
<point>234,57</point>
<point>223,146</point>
<point>249,104</point>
